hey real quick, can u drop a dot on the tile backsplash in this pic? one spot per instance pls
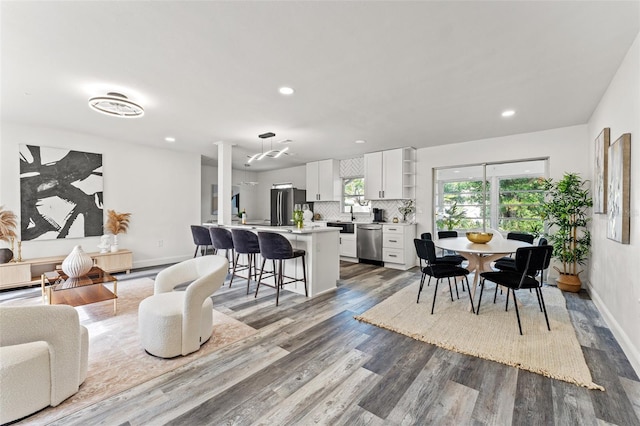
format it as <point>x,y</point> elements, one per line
<point>330,210</point>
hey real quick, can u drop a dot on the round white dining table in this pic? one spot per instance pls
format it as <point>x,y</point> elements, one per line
<point>480,256</point>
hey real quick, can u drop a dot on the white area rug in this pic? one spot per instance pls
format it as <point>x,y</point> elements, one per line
<point>493,334</point>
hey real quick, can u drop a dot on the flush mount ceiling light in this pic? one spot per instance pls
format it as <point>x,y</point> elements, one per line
<point>271,153</point>
<point>116,104</point>
<point>508,113</point>
<point>170,139</point>
<point>286,91</point>
<point>361,141</point>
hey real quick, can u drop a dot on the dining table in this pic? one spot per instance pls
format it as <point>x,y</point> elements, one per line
<point>480,256</point>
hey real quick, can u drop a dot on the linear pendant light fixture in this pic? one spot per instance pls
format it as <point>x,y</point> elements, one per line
<point>271,153</point>
<point>116,104</point>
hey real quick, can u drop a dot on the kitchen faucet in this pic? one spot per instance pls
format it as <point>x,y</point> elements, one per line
<point>352,216</point>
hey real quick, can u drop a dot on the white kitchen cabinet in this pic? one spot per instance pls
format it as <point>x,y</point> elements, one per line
<point>348,246</point>
<point>398,251</point>
<point>389,175</point>
<point>323,181</point>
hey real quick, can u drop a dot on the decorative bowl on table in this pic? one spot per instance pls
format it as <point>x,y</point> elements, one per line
<point>479,237</point>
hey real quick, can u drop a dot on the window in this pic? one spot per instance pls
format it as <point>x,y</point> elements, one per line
<point>353,196</point>
<point>503,196</point>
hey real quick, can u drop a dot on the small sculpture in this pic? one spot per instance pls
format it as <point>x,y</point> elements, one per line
<point>105,243</point>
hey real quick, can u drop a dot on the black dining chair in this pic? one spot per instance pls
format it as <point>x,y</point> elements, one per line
<point>201,238</point>
<point>245,242</point>
<point>449,234</point>
<point>508,263</point>
<point>277,248</point>
<point>221,239</point>
<point>530,262</point>
<point>426,250</point>
<point>454,259</point>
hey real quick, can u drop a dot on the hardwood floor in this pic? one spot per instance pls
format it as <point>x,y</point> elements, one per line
<point>312,363</point>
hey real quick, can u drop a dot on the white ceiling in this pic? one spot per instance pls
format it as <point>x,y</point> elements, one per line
<point>389,72</point>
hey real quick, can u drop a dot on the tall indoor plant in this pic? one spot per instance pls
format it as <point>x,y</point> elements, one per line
<point>565,210</point>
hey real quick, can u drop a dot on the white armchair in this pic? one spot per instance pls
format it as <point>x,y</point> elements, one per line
<point>173,323</point>
<point>43,358</point>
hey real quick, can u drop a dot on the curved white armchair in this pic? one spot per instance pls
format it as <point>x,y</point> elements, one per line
<point>43,358</point>
<point>173,323</point>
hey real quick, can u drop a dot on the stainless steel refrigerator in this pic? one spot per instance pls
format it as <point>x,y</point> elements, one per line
<point>282,203</point>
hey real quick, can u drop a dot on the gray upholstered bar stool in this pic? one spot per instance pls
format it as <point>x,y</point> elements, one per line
<point>275,247</point>
<point>201,238</point>
<point>245,242</point>
<point>221,240</point>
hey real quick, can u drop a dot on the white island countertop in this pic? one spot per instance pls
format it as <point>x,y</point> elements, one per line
<point>281,229</point>
<point>321,245</point>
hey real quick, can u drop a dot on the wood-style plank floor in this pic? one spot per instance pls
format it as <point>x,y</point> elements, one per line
<point>312,363</point>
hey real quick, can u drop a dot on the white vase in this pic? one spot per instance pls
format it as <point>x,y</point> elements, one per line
<point>77,264</point>
<point>114,244</point>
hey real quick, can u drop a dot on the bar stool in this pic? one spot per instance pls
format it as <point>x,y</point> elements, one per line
<point>221,240</point>
<point>274,246</point>
<point>245,242</point>
<point>201,238</point>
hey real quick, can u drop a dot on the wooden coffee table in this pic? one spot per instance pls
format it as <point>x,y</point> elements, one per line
<point>59,289</point>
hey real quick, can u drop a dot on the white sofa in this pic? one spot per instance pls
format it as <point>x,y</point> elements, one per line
<point>43,358</point>
<point>173,323</point>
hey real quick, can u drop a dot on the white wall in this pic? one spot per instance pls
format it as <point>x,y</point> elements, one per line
<point>614,283</point>
<point>248,193</point>
<point>160,187</point>
<point>566,149</point>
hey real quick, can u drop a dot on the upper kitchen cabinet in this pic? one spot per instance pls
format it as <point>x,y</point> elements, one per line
<point>323,181</point>
<point>389,175</point>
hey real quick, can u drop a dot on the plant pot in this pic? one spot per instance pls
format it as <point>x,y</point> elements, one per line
<point>567,282</point>
<point>5,255</point>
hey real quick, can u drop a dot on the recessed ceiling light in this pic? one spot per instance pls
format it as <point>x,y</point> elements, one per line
<point>286,90</point>
<point>286,141</point>
<point>116,104</point>
<point>170,139</point>
<point>508,113</point>
<point>360,141</point>
<point>456,171</point>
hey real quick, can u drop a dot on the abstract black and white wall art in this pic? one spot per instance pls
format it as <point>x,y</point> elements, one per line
<point>600,175</point>
<point>61,193</point>
<point>619,194</point>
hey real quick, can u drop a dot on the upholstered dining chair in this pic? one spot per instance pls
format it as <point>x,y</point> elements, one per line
<point>530,262</point>
<point>426,250</point>
<point>508,263</point>
<point>173,323</point>
<point>449,259</point>
<point>201,239</point>
<point>43,358</point>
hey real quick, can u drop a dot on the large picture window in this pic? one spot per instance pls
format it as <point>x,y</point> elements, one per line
<point>502,196</point>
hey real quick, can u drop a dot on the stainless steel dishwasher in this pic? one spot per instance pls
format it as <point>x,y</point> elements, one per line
<point>369,240</point>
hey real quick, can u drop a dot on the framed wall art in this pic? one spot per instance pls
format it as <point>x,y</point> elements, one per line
<point>600,175</point>
<point>619,192</point>
<point>61,193</point>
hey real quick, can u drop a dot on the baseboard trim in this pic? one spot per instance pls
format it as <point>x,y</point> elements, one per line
<point>159,261</point>
<point>629,350</point>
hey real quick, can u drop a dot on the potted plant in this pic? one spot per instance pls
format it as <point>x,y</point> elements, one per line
<point>406,209</point>
<point>565,210</point>
<point>8,225</point>
<point>117,223</point>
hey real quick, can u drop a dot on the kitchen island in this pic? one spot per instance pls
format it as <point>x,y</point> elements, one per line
<point>322,256</point>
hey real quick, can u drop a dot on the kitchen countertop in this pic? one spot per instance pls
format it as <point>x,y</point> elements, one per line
<point>281,229</point>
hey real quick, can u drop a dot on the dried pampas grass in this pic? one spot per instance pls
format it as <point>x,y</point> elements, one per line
<point>117,223</point>
<point>8,224</point>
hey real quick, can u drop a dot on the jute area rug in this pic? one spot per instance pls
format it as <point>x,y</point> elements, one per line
<point>117,362</point>
<point>492,335</point>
